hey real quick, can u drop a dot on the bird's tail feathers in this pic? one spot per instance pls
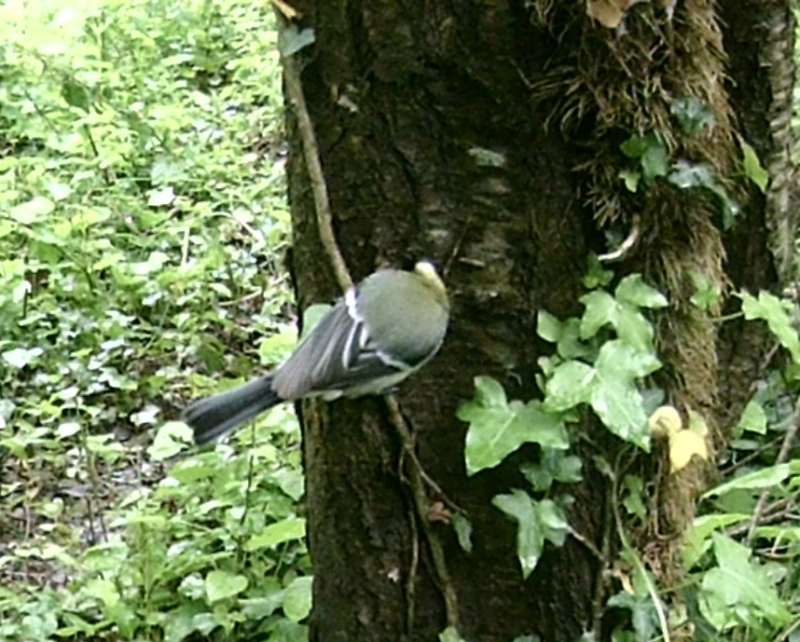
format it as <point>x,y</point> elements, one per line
<point>215,416</point>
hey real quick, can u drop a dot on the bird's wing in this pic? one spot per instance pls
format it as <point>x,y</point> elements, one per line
<point>338,354</point>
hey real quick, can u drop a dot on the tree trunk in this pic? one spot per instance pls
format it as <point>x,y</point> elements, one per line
<point>478,134</point>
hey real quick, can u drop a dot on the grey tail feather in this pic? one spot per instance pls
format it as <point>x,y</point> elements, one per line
<point>215,416</point>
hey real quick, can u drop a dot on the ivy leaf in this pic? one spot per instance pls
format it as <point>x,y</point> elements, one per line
<point>293,40</point>
<point>622,359</point>
<point>706,293</point>
<point>634,329</point>
<point>536,522</point>
<point>644,616</point>
<point>75,94</point>
<point>554,465</point>
<point>463,529</point>
<point>615,397</point>
<point>569,385</point>
<point>632,289</point>
<point>633,503</point>
<point>221,585</point>
<point>752,167</point>
<point>761,478</point>
<point>450,634</point>
<point>651,152</point>
<point>297,598</point>
<point>771,309</point>
<point>498,428</point>
<point>631,179</point>
<point>686,175</point>
<point>737,582</point>
<point>601,309</point>
<point>21,357</point>
<point>753,419</point>
<point>548,327</point>
<point>287,530</point>
<point>693,115</point>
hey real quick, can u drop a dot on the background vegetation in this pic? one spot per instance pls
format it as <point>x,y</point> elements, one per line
<point>142,227</point>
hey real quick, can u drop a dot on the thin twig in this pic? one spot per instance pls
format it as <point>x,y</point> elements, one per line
<point>777,511</point>
<point>783,455</point>
<point>636,560</point>
<point>411,580</point>
<point>598,603</point>
<point>417,486</point>
<point>294,92</point>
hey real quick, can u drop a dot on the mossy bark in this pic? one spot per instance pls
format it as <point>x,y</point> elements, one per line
<point>441,135</point>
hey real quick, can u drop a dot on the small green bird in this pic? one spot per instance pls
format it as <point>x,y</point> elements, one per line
<point>383,330</point>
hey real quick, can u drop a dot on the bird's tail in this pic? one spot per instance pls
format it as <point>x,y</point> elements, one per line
<point>215,416</point>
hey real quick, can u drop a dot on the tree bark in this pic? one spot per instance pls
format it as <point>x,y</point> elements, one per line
<point>436,140</point>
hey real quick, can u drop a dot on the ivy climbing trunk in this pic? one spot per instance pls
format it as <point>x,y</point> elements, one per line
<point>487,136</point>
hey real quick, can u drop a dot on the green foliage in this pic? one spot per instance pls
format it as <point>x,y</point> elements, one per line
<point>776,313</point>
<point>652,160</point>
<point>600,361</point>
<point>751,166</point>
<point>743,553</point>
<point>537,521</point>
<point>142,220</point>
<point>498,428</point>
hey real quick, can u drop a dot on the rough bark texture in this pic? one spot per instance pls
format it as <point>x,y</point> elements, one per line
<point>759,40</point>
<point>432,146</point>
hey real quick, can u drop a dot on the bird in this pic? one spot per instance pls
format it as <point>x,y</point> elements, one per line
<point>382,331</point>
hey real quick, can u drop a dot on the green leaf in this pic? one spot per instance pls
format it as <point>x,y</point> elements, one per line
<point>21,357</point>
<point>570,385</point>
<point>762,478</point>
<point>631,179</point>
<point>693,116</point>
<point>498,428</point>
<point>644,616</point>
<point>172,438</point>
<point>570,345</point>
<point>753,419</point>
<point>752,167</point>
<point>632,289</point>
<point>297,598</point>
<point>601,309</point>
<point>537,522</point>
<point>597,276</point>
<point>686,175</point>
<point>463,529</point>
<point>221,585</point>
<point>548,327</point>
<point>530,540</point>
<point>651,152</point>
<point>555,465</point>
<point>655,161</point>
<point>621,360</point>
<point>615,397</point>
<point>706,294</point>
<point>450,634</point>
<point>33,210</point>
<point>287,530</point>
<point>293,40</point>
<point>634,329</point>
<point>75,94</point>
<point>634,491</point>
<point>738,584</point>
<point>775,312</point>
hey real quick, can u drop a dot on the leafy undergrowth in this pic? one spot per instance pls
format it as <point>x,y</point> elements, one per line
<point>142,228</point>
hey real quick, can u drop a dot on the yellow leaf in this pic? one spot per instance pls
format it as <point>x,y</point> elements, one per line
<point>684,445</point>
<point>697,423</point>
<point>664,422</point>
